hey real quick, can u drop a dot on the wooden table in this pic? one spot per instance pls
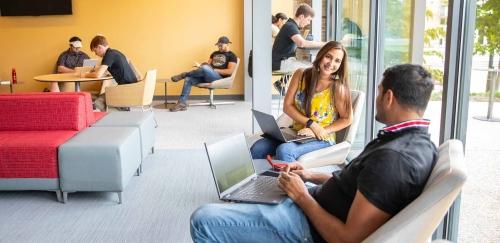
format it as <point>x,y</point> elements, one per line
<point>68,77</point>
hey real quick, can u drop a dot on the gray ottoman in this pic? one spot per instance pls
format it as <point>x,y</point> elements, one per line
<point>142,120</point>
<point>99,159</point>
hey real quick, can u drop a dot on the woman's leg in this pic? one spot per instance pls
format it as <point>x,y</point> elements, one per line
<point>242,222</point>
<point>291,151</point>
<point>263,147</point>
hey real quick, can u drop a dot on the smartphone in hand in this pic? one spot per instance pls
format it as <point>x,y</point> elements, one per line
<point>274,165</point>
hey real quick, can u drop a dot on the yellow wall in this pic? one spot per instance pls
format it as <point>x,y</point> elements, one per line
<point>283,6</point>
<point>166,35</point>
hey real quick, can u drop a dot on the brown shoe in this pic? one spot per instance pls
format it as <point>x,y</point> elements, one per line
<point>179,107</point>
<point>178,77</point>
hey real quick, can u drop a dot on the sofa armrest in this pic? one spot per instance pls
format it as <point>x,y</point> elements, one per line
<point>335,154</point>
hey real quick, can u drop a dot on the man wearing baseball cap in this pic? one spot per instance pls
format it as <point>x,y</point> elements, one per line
<point>221,64</point>
<point>69,59</point>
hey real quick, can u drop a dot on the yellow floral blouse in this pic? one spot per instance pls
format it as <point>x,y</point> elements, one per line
<point>322,109</point>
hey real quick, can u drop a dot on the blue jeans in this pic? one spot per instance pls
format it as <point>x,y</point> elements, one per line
<point>239,222</point>
<point>288,152</point>
<point>203,74</point>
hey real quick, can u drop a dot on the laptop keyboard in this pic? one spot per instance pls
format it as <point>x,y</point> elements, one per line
<point>290,136</point>
<point>258,187</point>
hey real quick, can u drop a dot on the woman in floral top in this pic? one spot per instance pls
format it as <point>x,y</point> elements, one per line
<point>319,102</point>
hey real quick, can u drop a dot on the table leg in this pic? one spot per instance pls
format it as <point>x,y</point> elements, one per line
<point>11,88</point>
<point>77,86</point>
<point>165,104</point>
<point>166,101</point>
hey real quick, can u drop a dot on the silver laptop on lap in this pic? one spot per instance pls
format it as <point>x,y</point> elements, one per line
<point>270,128</point>
<point>234,173</point>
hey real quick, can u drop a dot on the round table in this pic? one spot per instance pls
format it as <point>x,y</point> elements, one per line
<point>68,77</point>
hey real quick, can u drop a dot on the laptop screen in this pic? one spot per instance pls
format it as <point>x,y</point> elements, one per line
<point>90,62</point>
<point>230,160</point>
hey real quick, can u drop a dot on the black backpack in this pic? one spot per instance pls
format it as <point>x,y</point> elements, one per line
<point>250,64</point>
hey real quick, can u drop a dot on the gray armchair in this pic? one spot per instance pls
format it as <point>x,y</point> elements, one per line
<point>224,83</point>
<point>417,221</point>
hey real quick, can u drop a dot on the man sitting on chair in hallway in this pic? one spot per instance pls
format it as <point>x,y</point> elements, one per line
<point>220,65</point>
<point>114,62</point>
<point>350,204</point>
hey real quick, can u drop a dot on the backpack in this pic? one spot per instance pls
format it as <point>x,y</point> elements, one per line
<point>250,64</point>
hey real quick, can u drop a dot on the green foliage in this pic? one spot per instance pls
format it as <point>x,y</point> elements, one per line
<point>484,94</point>
<point>435,96</point>
<point>433,53</point>
<point>487,26</point>
<point>398,19</point>
<point>437,74</point>
<point>433,34</point>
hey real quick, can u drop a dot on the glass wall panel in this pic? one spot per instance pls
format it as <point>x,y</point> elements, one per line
<point>354,36</point>
<point>479,210</point>
<point>405,40</point>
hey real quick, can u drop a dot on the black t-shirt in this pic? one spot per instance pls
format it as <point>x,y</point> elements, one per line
<point>220,60</point>
<point>118,67</point>
<point>283,46</point>
<point>71,59</point>
<point>390,172</point>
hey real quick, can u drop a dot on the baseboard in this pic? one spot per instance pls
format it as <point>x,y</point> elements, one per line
<point>201,97</point>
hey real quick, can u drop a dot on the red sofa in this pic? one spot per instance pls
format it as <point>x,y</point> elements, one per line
<point>32,126</point>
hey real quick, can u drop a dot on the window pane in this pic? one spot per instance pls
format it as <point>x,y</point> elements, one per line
<point>354,35</point>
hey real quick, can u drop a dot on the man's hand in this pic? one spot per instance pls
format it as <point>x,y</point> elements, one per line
<point>293,166</point>
<point>292,185</point>
<point>298,169</point>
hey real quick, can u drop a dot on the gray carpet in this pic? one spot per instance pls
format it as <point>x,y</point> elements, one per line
<point>177,179</point>
<point>156,207</point>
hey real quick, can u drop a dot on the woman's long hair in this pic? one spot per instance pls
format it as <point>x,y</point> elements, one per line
<point>340,78</point>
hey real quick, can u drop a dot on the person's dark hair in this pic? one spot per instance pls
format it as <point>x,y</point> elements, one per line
<point>305,10</point>
<point>274,19</point>
<point>411,84</point>
<point>98,40</point>
<point>75,38</point>
<point>340,78</point>
<point>280,16</point>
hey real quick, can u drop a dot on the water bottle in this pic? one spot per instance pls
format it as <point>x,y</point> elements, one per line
<point>14,76</point>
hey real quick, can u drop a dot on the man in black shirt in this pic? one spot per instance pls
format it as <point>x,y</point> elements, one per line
<point>114,62</point>
<point>350,204</point>
<point>221,64</point>
<point>289,38</point>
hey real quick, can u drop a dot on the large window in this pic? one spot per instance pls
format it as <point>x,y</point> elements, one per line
<point>354,35</point>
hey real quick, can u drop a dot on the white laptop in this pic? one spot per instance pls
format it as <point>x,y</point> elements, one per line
<point>234,173</point>
<point>90,62</point>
